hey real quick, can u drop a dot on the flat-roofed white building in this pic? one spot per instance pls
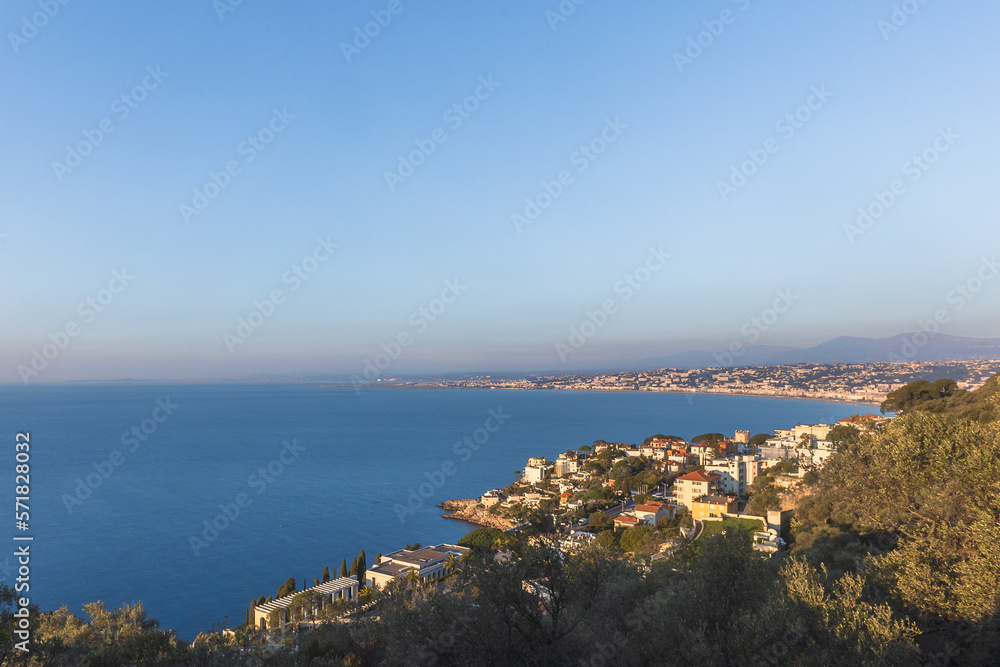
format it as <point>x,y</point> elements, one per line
<point>738,473</point>
<point>534,473</point>
<point>429,562</point>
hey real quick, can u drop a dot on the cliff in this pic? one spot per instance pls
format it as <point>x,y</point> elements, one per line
<point>468,509</point>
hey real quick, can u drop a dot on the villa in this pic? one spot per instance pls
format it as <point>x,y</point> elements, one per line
<point>429,563</point>
<point>345,588</point>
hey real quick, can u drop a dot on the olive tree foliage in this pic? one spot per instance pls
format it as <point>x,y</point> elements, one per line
<point>933,481</point>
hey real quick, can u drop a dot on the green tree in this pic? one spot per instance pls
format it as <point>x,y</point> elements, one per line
<point>635,538</point>
<point>412,577</point>
<point>920,395</point>
<point>362,567</point>
<point>450,563</point>
<point>842,433</point>
<point>599,521</point>
<point>481,538</point>
<point>343,568</point>
<point>930,479</point>
<point>609,539</point>
<point>326,574</point>
<point>759,439</point>
<point>286,588</point>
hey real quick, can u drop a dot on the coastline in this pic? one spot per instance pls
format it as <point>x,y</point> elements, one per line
<point>818,398</point>
<point>465,509</point>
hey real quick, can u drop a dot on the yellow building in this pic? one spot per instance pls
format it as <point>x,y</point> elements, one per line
<point>711,508</point>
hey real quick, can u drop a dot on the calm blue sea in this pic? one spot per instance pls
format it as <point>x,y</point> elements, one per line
<point>355,456</point>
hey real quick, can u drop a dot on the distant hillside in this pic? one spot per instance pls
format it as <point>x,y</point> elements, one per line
<point>842,350</point>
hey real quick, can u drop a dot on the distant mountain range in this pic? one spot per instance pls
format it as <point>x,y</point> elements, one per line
<point>842,350</point>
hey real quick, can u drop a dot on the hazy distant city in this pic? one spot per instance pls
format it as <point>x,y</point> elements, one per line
<point>868,383</point>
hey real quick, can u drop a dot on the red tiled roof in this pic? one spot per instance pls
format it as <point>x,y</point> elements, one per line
<point>700,476</point>
<point>648,507</point>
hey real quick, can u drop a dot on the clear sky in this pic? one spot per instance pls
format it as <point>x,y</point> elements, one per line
<point>328,134</point>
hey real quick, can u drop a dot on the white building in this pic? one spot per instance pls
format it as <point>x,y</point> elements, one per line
<point>575,541</point>
<point>738,473</point>
<point>345,588</point>
<point>491,498</point>
<point>429,562</point>
<point>535,473</point>
<point>816,431</point>
<point>566,465</point>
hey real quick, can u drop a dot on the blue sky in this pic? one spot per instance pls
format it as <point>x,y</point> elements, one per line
<point>609,76</point>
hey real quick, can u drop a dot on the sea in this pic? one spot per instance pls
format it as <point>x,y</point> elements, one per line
<point>197,498</point>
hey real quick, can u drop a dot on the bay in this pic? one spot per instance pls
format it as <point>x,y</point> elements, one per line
<point>363,471</point>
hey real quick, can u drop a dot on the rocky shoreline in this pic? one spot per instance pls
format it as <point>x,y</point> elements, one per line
<point>469,510</point>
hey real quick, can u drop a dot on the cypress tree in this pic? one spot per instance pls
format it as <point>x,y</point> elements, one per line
<point>316,582</point>
<point>326,574</point>
<point>362,567</point>
<point>378,558</point>
<point>354,568</point>
<point>343,568</point>
<point>287,587</point>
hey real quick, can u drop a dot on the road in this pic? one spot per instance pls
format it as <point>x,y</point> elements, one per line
<point>617,509</point>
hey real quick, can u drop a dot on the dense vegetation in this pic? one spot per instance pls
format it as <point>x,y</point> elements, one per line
<point>944,397</point>
<point>895,561</point>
